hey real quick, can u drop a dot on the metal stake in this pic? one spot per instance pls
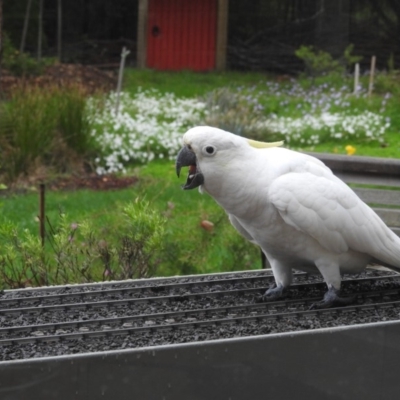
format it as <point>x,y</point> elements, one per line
<point>124,54</point>
<point>42,189</point>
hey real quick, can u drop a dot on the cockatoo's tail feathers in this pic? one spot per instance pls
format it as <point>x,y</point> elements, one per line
<point>263,145</point>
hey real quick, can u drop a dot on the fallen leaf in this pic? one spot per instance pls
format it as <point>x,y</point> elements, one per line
<point>207,225</point>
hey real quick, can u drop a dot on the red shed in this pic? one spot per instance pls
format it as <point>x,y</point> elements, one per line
<point>182,34</point>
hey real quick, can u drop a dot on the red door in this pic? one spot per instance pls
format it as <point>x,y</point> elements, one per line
<point>181,34</point>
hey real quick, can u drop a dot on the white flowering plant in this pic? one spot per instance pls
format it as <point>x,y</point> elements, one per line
<point>321,113</point>
<point>149,125</point>
<point>313,129</point>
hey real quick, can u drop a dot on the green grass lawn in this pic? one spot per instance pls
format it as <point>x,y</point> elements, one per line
<point>187,83</point>
<point>189,248</point>
<point>24,208</point>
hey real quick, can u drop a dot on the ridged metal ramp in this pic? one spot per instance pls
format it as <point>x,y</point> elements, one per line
<point>160,338</point>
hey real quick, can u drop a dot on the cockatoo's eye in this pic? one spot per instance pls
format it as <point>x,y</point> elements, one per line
<point>209,150</point>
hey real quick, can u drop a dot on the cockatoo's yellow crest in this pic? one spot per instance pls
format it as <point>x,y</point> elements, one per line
<point>263,145</point>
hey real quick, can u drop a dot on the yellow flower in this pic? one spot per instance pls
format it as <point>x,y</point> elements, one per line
<point>350,150</point>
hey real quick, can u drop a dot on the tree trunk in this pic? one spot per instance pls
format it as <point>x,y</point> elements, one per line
<point>40,31</point>
<point>1,45</point>
<point>59,30</point>
<point>332,33</point>
<point>25,29</point>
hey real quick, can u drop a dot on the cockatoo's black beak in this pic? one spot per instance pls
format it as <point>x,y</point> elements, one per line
<point>186,158</point>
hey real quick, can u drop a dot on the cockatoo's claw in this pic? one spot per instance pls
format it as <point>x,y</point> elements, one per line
<point>274,293</point>
<point>332,299</point>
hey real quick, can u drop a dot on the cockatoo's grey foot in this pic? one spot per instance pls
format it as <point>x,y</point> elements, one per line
<point>332,299</point>
<point>274,293</point>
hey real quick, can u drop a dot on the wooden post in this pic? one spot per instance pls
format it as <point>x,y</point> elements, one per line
<point>1,44</point>
<point>142,33</point>
<point>332,16</point>
<point>42,212</point>
<point>371,75</point>
<point>40,30</point>
<point>356,77</point>
<point>59,29</point>
<point>222,35</point>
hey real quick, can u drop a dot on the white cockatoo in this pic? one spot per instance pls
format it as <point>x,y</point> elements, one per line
<point>291,205</point>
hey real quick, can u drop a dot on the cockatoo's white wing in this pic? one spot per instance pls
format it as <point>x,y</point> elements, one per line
<point>237,225</point>
<point>328,210</point>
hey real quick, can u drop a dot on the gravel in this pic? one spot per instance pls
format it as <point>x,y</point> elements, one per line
<point>171,311</point>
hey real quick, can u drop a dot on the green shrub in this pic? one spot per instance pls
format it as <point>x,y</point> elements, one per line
<point>26,130</point>
<point>387,82</point>
<point>73,122</point>
<point>43,126</point>
<point>77,252</point>
<point>22,64</point>
<point>348,59</point>
<point>140,241</point>
<point>318,62</point>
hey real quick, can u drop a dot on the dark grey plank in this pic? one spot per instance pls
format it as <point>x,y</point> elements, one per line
<point>369,165</point>
<point>364,179</point>
<point>390,216</point>
<point>379,196</point>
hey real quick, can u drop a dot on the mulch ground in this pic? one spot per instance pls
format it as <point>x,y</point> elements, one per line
<point>71,182</point>
<point>92,181</point>
<point>88,77</point>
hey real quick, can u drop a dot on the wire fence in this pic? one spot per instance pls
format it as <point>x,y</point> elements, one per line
<point>262,35</point>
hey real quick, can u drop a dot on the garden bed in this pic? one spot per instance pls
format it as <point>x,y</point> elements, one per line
<point>91,78</point>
